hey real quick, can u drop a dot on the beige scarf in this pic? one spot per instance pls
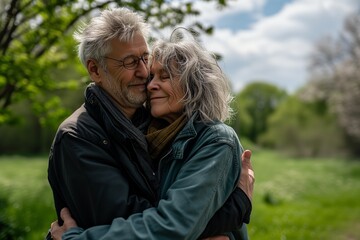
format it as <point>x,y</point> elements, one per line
<point>160,136</point>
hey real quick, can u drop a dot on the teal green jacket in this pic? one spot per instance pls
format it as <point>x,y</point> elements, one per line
<point>197,176</point>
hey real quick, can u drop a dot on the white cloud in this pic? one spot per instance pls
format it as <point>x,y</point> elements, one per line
<point>275,48</point>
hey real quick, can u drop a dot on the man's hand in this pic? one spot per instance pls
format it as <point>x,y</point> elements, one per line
<point>56,230</point>
<point>247,177</point>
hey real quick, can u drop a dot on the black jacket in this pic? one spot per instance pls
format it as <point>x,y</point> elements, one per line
<point>98,164</point>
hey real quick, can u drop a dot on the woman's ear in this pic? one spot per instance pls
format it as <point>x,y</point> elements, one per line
<point>94,71</point>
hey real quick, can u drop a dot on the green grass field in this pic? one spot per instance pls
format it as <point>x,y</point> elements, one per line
<point>294,198</point>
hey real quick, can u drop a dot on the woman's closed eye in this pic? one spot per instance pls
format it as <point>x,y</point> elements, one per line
<point>164,76</point>
<point>161,77</point>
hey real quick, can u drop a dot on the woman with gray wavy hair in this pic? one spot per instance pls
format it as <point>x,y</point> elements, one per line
<point>198,73</point>
<point>189,97</point>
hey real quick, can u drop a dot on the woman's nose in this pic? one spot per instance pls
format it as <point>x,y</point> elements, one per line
<point>152,85</point>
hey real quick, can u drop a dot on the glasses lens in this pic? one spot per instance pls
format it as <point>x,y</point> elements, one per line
<point>131,62</point>
<point>145,58</point>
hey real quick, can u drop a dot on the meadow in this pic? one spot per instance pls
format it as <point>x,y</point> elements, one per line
<point>294,198</point>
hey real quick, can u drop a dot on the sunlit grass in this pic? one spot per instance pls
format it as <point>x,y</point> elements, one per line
<point>305,198</point>
<point>294,198</point>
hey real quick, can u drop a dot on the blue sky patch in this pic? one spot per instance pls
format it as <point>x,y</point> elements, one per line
<point>272,7</point>
<point>236,21</point>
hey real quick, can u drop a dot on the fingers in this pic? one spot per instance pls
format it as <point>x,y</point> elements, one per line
<point>246,164</point>
<point>56,230</point>
<point>65,214</point>
<point>53,230</point>
<point>251,174</point>
<point>69,222</point>
<point>245,160</point>
<point>54,224</point>
<point>247,155</point>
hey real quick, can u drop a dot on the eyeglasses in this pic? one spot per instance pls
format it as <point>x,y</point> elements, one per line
<point>132,62</point>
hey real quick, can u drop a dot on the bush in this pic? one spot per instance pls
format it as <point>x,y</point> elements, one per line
<point>26,203</point>
<point>304,129</point>
<point>8,229</point>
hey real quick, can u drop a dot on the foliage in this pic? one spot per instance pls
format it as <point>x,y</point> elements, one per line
<point>32,34</point>
<point>335,68</point>
<point>302,128</point>
<point>7,228</point>
<point>241,119</point>
<point>253,106</point>
<point>29,208</point>
<point>29,135</point>
<point>314,198</point>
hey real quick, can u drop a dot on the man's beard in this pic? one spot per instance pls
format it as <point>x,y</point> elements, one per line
<point>128,96</point>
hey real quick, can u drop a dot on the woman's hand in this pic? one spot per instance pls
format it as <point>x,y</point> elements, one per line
<point>56,230</point>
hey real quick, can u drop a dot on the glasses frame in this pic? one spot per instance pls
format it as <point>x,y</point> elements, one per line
<point>122,61</point>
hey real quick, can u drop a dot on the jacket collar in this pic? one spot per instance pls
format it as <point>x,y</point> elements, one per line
<point>101,107</point>
<point>188,133</point>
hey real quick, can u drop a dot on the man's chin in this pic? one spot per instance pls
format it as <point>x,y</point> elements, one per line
<point>138,99</point>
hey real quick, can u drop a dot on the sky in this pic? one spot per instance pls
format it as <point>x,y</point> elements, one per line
<point>270,40</point>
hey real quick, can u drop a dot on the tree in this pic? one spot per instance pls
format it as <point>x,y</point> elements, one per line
<point>31,32</point>
<point>256,102</point>
<point>335,69</point>
<point>303,129</point>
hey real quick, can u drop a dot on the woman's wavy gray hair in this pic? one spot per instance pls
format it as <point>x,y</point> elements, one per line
<point>94,38</point>
<point>205,85</point>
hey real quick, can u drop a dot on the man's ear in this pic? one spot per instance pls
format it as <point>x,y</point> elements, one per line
<point>94,71</point>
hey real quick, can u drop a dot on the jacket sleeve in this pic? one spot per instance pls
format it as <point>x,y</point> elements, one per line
<point>230,216</point>
<point>86,179</point>
<point>201,187</point>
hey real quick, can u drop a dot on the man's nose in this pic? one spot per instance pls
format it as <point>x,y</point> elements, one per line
<point>142,69</point>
